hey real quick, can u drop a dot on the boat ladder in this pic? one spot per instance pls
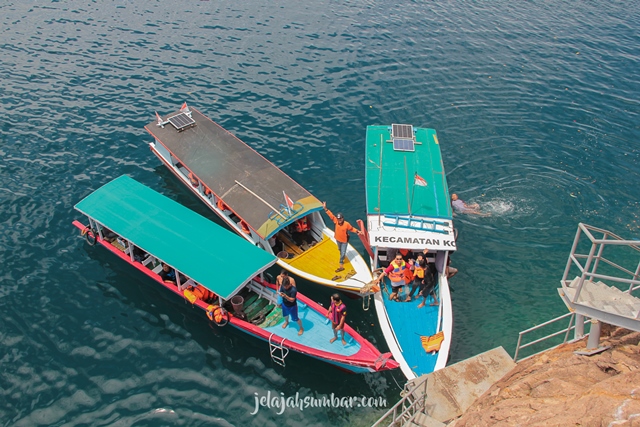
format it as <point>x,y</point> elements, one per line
<point>366,302</point>
<point>274,347</point>
<point>421,223</point>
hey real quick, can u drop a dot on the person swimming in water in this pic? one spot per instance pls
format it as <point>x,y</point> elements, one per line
<point>466,208</point>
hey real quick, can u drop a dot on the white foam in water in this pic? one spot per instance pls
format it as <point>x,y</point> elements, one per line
<point>507,207</point>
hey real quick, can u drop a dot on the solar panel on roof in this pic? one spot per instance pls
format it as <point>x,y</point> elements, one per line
<point>181,121</point>
<point>403,144</point>
<point>402,131</point>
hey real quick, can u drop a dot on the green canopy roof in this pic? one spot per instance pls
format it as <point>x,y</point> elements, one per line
<point>212,256</point>
<point>390,176</point>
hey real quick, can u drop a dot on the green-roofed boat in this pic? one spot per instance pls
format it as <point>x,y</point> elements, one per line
<point>255,198</point>
<point>185,253</point>
<point>408,212</point>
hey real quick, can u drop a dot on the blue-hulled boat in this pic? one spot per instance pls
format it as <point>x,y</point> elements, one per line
<point>408,209</point>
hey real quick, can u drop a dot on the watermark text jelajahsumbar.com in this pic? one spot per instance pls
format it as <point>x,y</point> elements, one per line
<point>278,402</point>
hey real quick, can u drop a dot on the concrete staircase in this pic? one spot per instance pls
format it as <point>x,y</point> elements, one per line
<point>450,391</point>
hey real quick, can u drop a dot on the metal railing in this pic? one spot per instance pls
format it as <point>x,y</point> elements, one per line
<point>405,410</point>
<point>579,334</point>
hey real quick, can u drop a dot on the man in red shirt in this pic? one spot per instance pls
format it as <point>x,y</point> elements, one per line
<point>341,233</point>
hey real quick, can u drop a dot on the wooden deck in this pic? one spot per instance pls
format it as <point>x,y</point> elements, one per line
<point>320,260</point>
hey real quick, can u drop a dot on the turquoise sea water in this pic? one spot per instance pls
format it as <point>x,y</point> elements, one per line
<point>536,108</point>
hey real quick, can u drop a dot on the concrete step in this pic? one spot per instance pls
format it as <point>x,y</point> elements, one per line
<point>450,391</point>
<point>423,420</point>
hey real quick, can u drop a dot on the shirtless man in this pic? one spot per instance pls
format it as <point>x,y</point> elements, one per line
<point>466,208</point>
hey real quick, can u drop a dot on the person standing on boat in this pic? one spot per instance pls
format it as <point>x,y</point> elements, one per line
<point>289,293</point>
<point>396,273</point>
<point>337,313</point>
<point>341,233</point>
<point>425,279</point>
<point>460,206</point>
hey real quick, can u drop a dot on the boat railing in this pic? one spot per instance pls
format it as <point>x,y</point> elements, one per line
<point>407,409</point>
<point>576,324</point>
<point>285,213</point>
<point>420,223</point>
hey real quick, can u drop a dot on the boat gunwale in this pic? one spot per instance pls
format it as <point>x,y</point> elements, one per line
<point>366,357</point>
<point>289,221</point>
<point>352,286</point>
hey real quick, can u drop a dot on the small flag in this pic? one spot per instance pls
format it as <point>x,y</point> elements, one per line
<point>288,201</point>
<point>420,181</point>
<point>159,119</point>
<point>184,108</point>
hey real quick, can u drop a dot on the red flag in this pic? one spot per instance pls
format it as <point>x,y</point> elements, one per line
<point>184,108</point>
<point>420,181</point>
<point>288,201</point>
<point>159,119</point>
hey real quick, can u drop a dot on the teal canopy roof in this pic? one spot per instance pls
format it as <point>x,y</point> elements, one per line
<point>212,256</point>
<point>390,176</point>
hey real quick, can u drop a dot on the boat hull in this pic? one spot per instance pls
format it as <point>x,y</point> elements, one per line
<point>363,357</point>
<point>312,259</point>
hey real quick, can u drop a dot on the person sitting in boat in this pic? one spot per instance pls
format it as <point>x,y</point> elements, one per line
<point>289,293</point>
<point>301,232</point>
<point>341,233</point>
<point>460,206</point>
<point>337,313</point>
<point>276,244</point>
<point>193,180</point>
<point>424,279</point>
<point>396,273</point>
<point>167,274</point>
<point>138,254</point>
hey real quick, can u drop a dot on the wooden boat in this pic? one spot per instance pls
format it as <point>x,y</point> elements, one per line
<point>254,197</point>
<point>146,229</point>
<point>408,208</point>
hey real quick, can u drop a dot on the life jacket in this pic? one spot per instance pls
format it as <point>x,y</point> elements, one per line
<point>245,227</point>
<point>202,293</point>
<point>194,180</point>
<point>302,225</point>
<point>222,206</point>
<point>336,312</point>
<point>418,271</point>
<point>431,344</point>
<point>207,191</point>
<point>215,313</point>
<point>397,274</point>
<point>408,275</point>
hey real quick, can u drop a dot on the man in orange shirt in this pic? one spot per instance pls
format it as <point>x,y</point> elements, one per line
<point>341,233</point>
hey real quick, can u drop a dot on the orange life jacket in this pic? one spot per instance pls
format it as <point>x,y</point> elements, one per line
<point>215,313</point>
<point>302,225</point>
<point>245,227</point>
<point>397,274</point>
<point>222,206</point>
<point>194,180</point>
<point>202,293</point>
<point>418,271</point>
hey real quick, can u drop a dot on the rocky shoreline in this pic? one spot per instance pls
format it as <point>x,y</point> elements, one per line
<point>560,388</point>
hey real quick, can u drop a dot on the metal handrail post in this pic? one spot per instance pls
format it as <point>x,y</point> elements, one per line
<point>573,250</point>
<point>585,272</point>
<point>598,257</point>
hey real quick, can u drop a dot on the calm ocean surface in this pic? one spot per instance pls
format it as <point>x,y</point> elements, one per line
<point>536,109</point>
